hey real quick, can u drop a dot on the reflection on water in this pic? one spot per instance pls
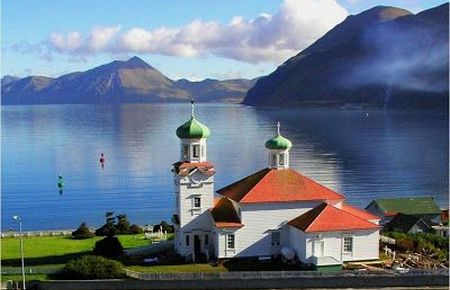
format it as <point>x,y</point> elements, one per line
<point>363,155</point>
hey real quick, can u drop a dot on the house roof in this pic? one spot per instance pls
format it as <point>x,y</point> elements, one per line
<point>404,223</point>
<point>327,218</point>
<point>411,206</point>
<point>224,214</point>
<point>186,168</point>
<point>362,213</point>
<point>277,185</point>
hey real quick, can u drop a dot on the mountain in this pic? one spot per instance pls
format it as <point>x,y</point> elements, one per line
<point>8,79</point>
<point>384,57</point>
<point>128,81</point>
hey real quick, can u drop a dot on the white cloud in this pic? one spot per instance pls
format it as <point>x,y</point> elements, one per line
<point>266,38</point>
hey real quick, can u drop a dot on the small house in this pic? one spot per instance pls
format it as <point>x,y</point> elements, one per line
<point>410,224</point>
<point>423,207</point>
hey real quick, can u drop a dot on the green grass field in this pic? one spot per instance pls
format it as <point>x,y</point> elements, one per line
<point>55,250</point>
<point>49,254</point>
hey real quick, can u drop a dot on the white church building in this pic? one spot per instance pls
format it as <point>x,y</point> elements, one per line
<point>264,212</point>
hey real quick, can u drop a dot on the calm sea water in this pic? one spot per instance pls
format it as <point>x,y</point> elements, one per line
<point>361,154</point>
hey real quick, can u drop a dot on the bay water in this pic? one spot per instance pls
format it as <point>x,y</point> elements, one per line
<point>362,154</point>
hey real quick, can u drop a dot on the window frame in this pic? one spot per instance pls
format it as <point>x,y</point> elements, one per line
<point>196,151</point>
<point>185,151</point>
<point>274,161</point>
<point>281,159</point>
<point>231,238</point>
<point>194,199</point>
<point>275,238</point>
<point>347,247</point>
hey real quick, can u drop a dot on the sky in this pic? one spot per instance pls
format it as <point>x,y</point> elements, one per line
<point>193,39</point>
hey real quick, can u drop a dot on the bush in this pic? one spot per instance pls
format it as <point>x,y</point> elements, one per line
<point>82,232</point>
<point>93,267</point>
<point>135,229</point>
<point>108,247</point>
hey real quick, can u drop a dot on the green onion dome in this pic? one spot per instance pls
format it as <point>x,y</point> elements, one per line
<point>278,142</point>
<point>192,129</point>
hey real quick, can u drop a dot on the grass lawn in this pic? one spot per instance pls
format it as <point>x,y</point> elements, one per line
<point>187,268</point>
<point>28,277</point>
<point>55,250</point>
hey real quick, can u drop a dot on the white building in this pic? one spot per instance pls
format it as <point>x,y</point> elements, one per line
<point>260,214</point>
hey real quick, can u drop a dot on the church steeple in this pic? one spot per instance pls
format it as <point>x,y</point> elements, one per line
<point>193,135</point>
<point>278,150</point>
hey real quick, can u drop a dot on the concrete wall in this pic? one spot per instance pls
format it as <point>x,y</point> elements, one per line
<point>259,280</point>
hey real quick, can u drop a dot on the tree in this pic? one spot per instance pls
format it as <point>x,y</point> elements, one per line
<point>82,232</point>
<point>135,229</point>
<point>123,226</point>
<point>109,247</point>
<point>109,228</point>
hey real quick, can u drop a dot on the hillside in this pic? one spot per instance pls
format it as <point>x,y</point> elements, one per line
<point>384,57</point>
<point>118,82</point>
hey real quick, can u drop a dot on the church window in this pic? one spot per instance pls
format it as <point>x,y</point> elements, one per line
<point>187,240</point>
<point>274,159</point>
<point>230,241</point>
<point>195,151</point>
<point>197,202</point>
<point>281,159</point>
<point>275,238</point>
<point>185,151</point>
<point>348,244</point>
<point>206,240</point>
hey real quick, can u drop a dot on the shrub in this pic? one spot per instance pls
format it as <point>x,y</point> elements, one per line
<point>107,229</point>
<point>93,267</point>
<point>108,247</point>
<point>135,229</point>
<point>82,232</point>
<point>405,244</point>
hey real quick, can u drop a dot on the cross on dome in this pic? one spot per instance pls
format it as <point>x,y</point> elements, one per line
<point>192,108</point>
<point>278,128</point>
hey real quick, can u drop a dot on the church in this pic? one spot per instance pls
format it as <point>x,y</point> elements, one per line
<point>273,209</point>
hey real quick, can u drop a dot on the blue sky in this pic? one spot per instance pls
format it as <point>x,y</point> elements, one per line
<point>183,39</point>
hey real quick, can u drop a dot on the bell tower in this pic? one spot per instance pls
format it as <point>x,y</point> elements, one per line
<point>278,148</point>
<point>193,135</point>
<point>194,190</point>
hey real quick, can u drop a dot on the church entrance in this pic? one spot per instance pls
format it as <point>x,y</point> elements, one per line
<point>197,245</point>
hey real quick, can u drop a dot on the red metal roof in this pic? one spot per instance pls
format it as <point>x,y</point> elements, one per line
<point>364,214</point>
<point>277,185</point>
<point>327,218</point>
<point>224,214</point>
<point>185,168</point>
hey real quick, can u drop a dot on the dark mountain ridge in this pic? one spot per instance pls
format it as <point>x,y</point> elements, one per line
<point>128,81</point>
<point>384,57</point>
